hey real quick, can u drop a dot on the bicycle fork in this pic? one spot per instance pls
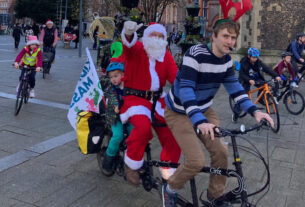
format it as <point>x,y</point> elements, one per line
<point>237,162</point>
<point>292,96</point>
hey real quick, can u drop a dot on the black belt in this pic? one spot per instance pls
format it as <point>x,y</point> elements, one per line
<point>149,95</point>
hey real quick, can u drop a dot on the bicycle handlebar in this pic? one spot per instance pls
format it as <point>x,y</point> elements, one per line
<point>263,82</point>
<point>221,132</point>
<point>27,67</point>
<point>242,130</point>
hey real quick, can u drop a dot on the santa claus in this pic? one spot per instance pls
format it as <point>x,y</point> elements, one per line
<point>148,65</point>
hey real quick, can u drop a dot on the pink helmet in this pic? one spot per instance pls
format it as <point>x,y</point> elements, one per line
<point>32,40</point>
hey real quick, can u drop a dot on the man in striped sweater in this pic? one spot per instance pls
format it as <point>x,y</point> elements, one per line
<point>204,69</point>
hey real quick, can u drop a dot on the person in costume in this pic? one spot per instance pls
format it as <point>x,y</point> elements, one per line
<point>189,105</point>
<point>148,65</point>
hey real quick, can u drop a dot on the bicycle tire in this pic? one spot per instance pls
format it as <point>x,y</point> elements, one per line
<point>26,92</point>
<point>290,102</point>
<point>273,112</point>
<point>100,157</point>
<point>19,98</point>
<point>232,105</point>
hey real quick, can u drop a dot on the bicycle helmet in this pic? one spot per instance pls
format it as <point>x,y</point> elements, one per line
<point>284,54</point>
<point>253,52</point>
<point>300,35</point>
<point>115,66</point>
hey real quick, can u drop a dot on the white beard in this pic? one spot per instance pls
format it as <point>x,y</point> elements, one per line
<point>155,47</point>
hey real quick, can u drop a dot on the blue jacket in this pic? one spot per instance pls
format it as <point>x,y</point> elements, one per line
<point>296,49</point>
<point>198,81</point>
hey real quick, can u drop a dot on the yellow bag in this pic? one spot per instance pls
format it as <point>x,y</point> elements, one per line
<point>90,129</point>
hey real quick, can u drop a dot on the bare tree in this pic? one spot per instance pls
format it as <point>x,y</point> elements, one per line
<point>109,7</point>
<point>154,9</point>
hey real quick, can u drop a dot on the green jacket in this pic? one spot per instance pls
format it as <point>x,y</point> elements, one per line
<point>112,100</point>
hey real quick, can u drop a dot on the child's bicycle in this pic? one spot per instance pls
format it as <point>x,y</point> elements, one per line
<point>23,91</point>
<point>266,98</point>
<point>293,100</point>
<point>238,195</point>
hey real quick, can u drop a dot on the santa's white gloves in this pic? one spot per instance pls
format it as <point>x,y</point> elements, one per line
<point>131,27</point>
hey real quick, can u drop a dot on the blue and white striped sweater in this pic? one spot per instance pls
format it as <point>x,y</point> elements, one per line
<point>199,79</point>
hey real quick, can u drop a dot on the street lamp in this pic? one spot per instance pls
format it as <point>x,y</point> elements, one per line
<point>80,28</point>
<point>193,9</point>
<point>192,27</point>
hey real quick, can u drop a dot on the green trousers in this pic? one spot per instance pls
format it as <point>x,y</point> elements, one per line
<point>117,137</point>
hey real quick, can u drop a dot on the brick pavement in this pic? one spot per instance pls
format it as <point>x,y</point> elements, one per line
<point>62,177</point>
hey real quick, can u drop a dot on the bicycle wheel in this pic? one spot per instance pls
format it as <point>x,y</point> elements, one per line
<point>232,105</point>
<point>294,102</point>
<point>100,157</point>
<point>19,98</point>
<point>273,112</point>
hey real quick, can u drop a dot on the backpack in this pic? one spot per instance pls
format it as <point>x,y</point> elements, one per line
<point>90,129</point>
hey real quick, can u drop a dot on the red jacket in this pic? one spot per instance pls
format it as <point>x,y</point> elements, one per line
<point>282,66</point>
<point>27,50</point>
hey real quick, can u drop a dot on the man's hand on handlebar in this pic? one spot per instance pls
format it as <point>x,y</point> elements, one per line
<point>208,128</point>
<point>259,116</point>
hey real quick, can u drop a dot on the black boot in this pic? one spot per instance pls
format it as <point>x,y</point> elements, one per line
<point>107,168</point>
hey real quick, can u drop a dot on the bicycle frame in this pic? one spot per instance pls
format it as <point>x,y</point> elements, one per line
<point>239,193</point>
<point>265,90</point>
<point>25,76</point>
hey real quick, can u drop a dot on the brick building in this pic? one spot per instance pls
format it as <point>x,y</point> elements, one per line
<point>5,12</point>
<point>272,24</point>
<point>175,14</point>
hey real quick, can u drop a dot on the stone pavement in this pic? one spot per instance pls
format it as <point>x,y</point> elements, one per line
<point>41,166</point>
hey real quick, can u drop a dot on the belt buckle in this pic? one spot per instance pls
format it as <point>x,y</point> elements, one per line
<point>152,95</point>
<point>149,95</point>
<point>146,94</point>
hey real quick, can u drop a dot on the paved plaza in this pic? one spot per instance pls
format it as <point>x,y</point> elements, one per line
<point>41,165</point>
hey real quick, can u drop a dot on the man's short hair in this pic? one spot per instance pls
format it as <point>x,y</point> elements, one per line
<point>230,25</point>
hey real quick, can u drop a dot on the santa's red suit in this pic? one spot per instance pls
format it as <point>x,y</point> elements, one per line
<point>146,74</point>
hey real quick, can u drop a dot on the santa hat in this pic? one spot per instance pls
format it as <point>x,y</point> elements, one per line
<point>155,28</point>
<point>32,40</point>
<point>49,22</point>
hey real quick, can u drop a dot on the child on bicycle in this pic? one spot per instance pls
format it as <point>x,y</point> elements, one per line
<point>113,92</point>
<point>285,70</point>
<point>251,73</point>
<point>31,56</point>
